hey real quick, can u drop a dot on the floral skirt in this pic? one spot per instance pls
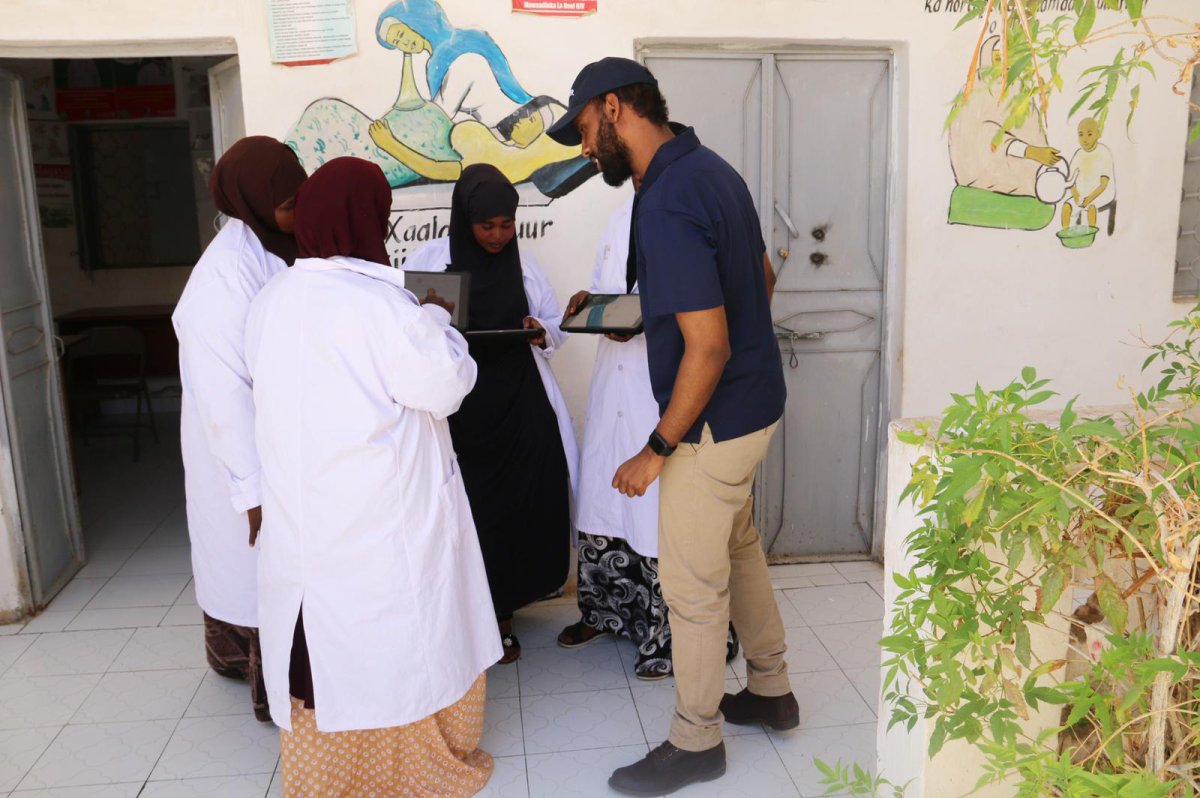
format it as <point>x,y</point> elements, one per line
<point>437,756</point>
<point>234,652</point>
<point>619,592</point>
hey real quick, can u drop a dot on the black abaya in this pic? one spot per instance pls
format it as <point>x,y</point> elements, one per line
<point>506,432</point>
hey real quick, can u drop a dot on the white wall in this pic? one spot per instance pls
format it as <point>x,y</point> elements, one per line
<point>977,305</point>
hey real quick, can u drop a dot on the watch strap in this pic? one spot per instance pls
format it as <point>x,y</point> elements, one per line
<point>658,444</point>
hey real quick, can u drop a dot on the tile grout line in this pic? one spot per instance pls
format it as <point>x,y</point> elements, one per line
<point>786,769</point>
<point>521,717</point>
<point>49,745</point>
<point>96,686</point>
<point>174,729</point>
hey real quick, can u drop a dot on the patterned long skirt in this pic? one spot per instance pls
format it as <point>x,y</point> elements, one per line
<point>619,592</point>
<point>438,755</point>
<point>234,652</point>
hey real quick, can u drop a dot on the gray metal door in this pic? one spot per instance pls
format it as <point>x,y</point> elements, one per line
<point>35,456</point>
<point>812,142</point>
<point>723,99</point>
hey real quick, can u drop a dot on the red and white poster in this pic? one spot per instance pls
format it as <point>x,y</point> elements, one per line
<point>556,8</point>
<point>114,88</point>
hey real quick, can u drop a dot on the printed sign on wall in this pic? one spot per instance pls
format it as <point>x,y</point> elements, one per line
<point>556,8</point>
<point>308,32</point>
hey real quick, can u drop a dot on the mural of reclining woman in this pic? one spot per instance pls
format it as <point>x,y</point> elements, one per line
<point>477,111</point>
<point>997,169</point>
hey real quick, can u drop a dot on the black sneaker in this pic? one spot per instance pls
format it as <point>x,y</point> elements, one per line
<point>667,769</point>
<point>779,712</point>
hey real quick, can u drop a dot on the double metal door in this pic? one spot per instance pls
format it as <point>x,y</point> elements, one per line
<point>809,132</point>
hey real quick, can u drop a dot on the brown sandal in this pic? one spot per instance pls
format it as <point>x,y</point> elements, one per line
<point>512,646</point>
<point>578,635</point>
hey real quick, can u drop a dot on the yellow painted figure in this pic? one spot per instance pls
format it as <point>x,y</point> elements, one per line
<point>1093,173</point>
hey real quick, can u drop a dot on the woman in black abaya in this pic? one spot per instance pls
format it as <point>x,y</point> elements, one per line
<point>509,438</point>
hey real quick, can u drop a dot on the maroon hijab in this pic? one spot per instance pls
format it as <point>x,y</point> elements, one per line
<point>253,178</point>
<point>343,209</point>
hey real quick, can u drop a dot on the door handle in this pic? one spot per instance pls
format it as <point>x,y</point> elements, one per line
<point>791,335</point>
<point>787,221</point>
<point>31,332</point>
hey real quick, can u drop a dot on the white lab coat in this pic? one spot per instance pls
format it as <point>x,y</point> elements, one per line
<point>221,469</point>
<point>621,414</point>
<point>543,306</point>
<point>365,518</point>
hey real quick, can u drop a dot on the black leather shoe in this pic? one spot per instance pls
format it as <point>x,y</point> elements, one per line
<point>779,712</point>
<point>667,769</point>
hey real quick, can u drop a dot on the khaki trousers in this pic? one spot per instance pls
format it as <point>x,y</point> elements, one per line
<point>712,569</point>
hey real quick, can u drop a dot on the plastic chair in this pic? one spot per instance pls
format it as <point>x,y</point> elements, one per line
<point>109,364</point>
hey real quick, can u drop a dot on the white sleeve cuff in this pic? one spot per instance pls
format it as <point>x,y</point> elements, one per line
<point>1017,148</point>
<point>246,494</point>
<point>439,313</point>
<point>550,343</point>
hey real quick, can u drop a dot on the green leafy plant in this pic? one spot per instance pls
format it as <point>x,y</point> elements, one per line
<point>1082,531</point>
<point>1034,51</point>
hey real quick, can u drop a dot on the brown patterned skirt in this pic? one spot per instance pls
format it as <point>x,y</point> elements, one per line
<point>436,756</point>
<point>233,652</point>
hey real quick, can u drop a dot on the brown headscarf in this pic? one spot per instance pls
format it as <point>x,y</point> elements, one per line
<point>343,209</point>
<point>253,178</point>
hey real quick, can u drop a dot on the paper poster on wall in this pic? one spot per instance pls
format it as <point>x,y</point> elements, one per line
<point>37,83</point>
<point>555,8</point>
<point>310,32</point>
<point>458,103</point>
<point>52,173</point>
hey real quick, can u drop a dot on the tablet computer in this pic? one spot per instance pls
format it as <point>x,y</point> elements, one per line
<point>620,314</point>
<point>496,335</point>
<point>452,286</point>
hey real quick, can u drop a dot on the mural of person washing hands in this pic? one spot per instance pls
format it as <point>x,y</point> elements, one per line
<point>476,112</point>
<point>998,169</point>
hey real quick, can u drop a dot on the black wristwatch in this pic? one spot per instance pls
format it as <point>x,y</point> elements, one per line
<point>658,444</point>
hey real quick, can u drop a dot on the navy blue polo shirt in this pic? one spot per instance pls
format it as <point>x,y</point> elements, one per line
<point>698,246</point>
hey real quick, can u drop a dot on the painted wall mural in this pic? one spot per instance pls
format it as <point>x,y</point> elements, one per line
<point>476,111</point>
<point>1011,173</point>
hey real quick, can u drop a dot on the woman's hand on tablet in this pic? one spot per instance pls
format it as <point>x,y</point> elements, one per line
<point>533,324</point>
<point>578,301</point>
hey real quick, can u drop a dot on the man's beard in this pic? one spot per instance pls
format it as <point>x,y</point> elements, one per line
<point>613,156</point>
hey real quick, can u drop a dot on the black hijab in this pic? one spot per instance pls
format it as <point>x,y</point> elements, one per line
<point>498,300</point>
<point>253,178</point>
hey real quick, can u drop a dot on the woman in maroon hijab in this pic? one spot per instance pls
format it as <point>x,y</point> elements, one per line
<point>254,185</point>
<point>376,622</point>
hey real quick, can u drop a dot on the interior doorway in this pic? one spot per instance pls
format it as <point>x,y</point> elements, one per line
<point>810,131</point>
<point>109,209</point>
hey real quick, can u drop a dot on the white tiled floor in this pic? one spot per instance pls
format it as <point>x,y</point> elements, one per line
<point>106,694</point>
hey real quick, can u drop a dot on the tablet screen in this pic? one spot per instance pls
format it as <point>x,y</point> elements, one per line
<point>605,313</point>
<point>451,286</point>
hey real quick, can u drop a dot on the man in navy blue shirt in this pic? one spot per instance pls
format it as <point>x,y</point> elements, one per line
<point>697,253</point>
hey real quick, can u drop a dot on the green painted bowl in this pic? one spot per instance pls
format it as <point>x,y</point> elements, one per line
<point>1080,236</point>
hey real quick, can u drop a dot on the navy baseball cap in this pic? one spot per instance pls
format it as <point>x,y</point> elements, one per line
<point>595,79</point>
